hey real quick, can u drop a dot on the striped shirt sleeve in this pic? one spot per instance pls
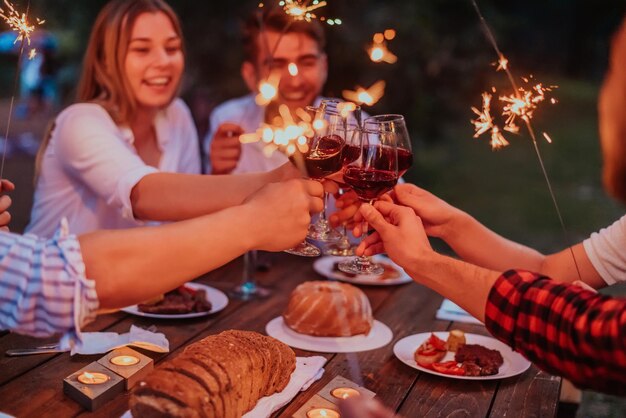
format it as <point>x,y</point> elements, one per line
<point>563,329</point>
<point>43,287</point>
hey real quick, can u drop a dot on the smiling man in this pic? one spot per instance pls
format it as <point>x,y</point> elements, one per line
<point>277,47</point>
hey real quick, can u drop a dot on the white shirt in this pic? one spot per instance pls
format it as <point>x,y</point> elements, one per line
<point>606,250</point>
<point>91,166</point>
<point>244,111</point>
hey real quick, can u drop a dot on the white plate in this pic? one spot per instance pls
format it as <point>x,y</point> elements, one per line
<point>324,266</point>
<point>218,300</point>
<point>513,365</point>
<point>379,335</point>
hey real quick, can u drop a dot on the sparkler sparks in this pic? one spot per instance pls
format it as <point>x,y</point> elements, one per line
<point>293,69</point>
<point>32,53</point>
<point>18,22</point>
<point>364,96</point>
<point>378,51</point>
<point>303,10</point>
<point>522,103</point>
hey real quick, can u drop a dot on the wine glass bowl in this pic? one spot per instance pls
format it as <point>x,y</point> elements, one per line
<point>373,173</point>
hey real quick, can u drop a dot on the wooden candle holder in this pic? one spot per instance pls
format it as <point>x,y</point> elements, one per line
<point>324,399</point>
<point>95,394</point>
<point>122,361</point>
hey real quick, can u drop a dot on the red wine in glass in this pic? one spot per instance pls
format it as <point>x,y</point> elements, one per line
<point>405,159</point>
<point>325,158</point>
<point>370,183</point>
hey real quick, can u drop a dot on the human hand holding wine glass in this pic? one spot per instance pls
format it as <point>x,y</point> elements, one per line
<point>373,173</point>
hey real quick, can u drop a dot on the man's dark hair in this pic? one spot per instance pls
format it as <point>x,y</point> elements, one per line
<point>276,20</point>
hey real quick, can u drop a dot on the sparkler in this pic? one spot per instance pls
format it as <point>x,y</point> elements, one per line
<point>378,51</point>
<point>364,96</point>
<point>19,23</point>
<point>521,104</point>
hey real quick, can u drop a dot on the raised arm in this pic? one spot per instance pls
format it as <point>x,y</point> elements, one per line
<point>477,244</point>
<point>172,196</point>
<point>158,259</point>
<point>564,329</point>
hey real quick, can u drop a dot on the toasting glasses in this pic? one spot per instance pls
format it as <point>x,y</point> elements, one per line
<point>375,172</point>
<point>337,123</point>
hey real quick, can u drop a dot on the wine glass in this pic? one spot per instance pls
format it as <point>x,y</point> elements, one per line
<point>351,151</point>
<point>372,174</point>
<point>397,125</point>
<point>249,289</point>
<point>322,160</point>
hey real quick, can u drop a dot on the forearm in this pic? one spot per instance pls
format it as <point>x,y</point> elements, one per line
<point>564,329</point>
<point>477,244</point>
<point>136,264</point>
<point>174,197</point>
<point>465,284</point>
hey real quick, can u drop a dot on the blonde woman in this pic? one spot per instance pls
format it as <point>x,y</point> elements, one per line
<point>127,151</point>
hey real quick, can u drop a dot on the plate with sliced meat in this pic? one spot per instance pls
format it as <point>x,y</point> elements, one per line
<point>476,357</point>
<point>192,300</point>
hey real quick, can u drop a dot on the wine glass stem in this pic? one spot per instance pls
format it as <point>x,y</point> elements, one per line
<point>363,259</point>
<point>249,271</point>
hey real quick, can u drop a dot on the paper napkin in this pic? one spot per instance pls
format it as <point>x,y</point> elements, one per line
<point>103,342</point>
<point>450,311</point>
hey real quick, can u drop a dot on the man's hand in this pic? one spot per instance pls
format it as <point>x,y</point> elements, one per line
<point>5,203</point>
<point>225,148</point>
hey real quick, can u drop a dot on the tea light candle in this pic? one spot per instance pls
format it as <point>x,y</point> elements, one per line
<point>92,378</point>
<point>322,413</point>
<point>124,360</point>
<point>93,386</point>
<point>345,393</point>
<point>128,363</point>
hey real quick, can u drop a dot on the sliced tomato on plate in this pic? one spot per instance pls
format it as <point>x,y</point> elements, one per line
<point>448,367</point>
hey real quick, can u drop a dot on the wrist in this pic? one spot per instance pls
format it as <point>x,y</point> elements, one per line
<point>248,231</point>
<point>455,226</point>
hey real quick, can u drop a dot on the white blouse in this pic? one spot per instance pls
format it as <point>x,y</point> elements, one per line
<point>91,166</point>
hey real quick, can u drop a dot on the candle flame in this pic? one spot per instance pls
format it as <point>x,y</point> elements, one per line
<point>88,375</point>
<point>368,96</point>
<point>293,69</point>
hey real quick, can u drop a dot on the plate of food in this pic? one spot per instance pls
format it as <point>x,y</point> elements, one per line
<point>393,274</point>
<point>458,355</point>
<point>192,300</point>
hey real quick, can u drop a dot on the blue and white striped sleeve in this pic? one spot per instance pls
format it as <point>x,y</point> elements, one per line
<point>43,287</point>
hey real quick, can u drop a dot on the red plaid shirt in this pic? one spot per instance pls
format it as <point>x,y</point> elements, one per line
<point>563,329</point>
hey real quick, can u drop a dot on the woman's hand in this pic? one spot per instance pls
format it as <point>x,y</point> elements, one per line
<point>5,203</point>
<point>437,216</point>
<point>399,233</point>
<point>280,213</point>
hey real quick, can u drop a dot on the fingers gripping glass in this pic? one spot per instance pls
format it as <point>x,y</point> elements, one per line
<point>372,174</point>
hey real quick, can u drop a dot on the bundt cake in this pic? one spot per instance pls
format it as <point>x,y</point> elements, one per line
<point>328,309</point>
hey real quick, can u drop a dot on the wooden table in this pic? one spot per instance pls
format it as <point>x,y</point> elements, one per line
<point>31,386</point>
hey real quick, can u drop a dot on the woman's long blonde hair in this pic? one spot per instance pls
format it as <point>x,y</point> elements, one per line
<point>103,79</point>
